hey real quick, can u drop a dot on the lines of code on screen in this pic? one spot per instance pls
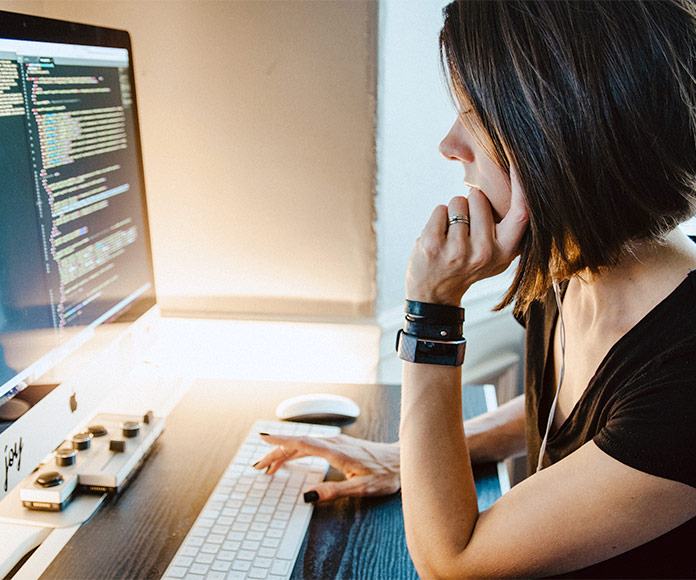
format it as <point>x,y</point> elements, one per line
<point>68,156</point>
<point>79,136</point>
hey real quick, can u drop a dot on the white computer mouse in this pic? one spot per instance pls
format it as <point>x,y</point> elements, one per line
<point>318,407</point>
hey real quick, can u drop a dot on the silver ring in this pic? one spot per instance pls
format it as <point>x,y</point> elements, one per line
<point>284,453</point>
<point>458,219</point>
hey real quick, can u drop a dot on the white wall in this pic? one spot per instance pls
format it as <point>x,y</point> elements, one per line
<point>257,122</point>
<point>414,114</point>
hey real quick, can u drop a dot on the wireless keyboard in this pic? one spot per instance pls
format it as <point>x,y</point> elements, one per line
<point>253,524</point>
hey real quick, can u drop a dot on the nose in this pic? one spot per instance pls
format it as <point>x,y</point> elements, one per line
<point>454,146</point>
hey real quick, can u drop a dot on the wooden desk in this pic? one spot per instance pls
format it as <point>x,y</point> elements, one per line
<point>136,534</point>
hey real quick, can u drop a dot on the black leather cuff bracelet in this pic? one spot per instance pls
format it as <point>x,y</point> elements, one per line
<point>434,313</point>
<point>422,329</point>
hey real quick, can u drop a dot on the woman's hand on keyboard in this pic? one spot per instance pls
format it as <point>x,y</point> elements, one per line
<point>370,468</point>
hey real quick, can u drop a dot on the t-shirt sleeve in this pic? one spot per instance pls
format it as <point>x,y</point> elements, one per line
<point>652,423</point>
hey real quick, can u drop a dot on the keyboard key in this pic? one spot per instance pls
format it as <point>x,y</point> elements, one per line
<point>194,541</point>
<point>281,515</point>
<point>258,573</point>
<point>199,569</point>
<point>241,565</point>
<point>231,546</point>
<point>209,548</point>
<point>281,567</point>
<point>199,531</point>
<point>251,545</point>
<point>221,565</point>
<point>296,479</point>
<point>226,555</point>
<point>262,563</point>
<point>271,542</point>
<point>204,558</point>
<point>176,572</point>
<point>219,529</point>
<point>184,561</point>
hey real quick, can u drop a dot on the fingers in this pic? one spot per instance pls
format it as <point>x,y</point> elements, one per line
<point>289,447</point>
<point>437,224</point>
<point>330,490</point>
<point>275,458</point>
<point>358,486</point>
<point>481,219</point>
<point>512,227</point>
<point>458,206</point>
<point>355,486</point>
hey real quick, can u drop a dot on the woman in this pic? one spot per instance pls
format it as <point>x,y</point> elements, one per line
<point>577,134</point>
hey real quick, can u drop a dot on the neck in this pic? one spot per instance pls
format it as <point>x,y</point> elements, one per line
<point>619,296</point>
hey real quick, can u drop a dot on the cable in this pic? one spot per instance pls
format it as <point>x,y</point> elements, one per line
<point>542,449</point>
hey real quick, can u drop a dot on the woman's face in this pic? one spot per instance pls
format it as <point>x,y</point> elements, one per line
<point>480,171</point>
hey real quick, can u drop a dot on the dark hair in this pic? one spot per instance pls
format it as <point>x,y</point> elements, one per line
<point>594,103</point>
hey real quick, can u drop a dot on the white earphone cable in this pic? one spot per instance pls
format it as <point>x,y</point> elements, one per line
<point>552,412</point>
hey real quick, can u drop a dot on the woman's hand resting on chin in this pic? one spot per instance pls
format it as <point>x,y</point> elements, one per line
<point>447,259</point>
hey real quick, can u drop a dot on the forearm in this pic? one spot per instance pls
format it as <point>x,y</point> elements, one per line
<point>439,495</point>
<point>499,434</point>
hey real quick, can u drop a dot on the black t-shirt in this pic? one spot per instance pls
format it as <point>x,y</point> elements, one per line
<point>639,408</point>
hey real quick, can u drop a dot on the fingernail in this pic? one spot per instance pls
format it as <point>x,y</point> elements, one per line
<point>255,464</point>
<point>311,496</point>
<point>265,434</point>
